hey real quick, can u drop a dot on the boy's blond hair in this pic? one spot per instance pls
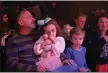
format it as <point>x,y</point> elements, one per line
<point>77,30</point>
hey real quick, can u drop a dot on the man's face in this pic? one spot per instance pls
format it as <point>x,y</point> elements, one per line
<point>28,20</point>
<point>80,22</point>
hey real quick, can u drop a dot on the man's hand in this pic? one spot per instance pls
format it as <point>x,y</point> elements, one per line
<point>41,68</point>
<point>69,62</point>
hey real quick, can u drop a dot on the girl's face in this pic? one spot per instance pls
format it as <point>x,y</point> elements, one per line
<point>77,39</point>
<point>103,24</point>
<point>50,30</point>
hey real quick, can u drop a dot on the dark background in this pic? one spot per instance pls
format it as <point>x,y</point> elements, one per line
<point>64,11</point>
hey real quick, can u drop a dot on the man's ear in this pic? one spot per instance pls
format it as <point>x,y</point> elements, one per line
<point>20,22</point>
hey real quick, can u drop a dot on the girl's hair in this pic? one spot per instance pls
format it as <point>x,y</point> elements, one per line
<point>77,30</point>
<point>52,21</point>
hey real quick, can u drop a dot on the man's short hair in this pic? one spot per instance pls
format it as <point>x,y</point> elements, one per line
<point>78,15</point>
<point>20,13</point>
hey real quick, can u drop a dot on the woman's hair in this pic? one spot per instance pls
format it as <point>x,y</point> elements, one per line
<point>77,30</point>
<point>52,21</point>
<point>103,15</point>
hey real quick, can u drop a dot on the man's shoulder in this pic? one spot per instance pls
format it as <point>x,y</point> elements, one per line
<point>14,37</point>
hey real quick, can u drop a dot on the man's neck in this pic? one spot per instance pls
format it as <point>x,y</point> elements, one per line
<point>25,31</point>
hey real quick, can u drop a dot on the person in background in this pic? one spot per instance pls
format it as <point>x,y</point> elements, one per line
<point>66,34</point>
<point>66,31</point>
<point>4,22</point>
<point>98,53</point>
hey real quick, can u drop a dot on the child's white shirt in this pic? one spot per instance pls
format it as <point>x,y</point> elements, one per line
<point>58,46</point>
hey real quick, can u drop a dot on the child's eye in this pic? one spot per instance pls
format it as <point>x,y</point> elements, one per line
<point>48,32</point>
<point>53,30</point>
<point>75,38</point>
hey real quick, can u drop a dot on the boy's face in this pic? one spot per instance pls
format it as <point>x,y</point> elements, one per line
<point>77,39</point>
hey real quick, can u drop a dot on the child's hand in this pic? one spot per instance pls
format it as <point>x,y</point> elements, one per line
<point>52,38</point>
<point>46,42</point>
<point>83,70</point>
<point>45,36</point>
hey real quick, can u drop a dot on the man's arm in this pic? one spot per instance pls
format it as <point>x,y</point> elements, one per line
<point>13,59</point>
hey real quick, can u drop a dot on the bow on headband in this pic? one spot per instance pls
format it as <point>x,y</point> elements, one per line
<point>42,22</point>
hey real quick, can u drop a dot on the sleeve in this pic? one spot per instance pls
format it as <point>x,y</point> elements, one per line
<point>86,66</point>
<point>59,45</point>
<point>68,54</point>
<point>13,60</point>
<point>36,48</point>
<point>104,51</point>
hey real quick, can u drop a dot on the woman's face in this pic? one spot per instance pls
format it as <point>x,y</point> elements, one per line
<point>103,24</point>
<point>5,18</point>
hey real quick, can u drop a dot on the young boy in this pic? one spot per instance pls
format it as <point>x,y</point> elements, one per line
<point>75,54</point>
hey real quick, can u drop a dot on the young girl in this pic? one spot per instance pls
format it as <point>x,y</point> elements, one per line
<point>76,53</point>
<point>50,46</point>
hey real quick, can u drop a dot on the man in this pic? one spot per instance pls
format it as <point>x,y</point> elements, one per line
<point>20,55</point>
<point>80,20</point>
